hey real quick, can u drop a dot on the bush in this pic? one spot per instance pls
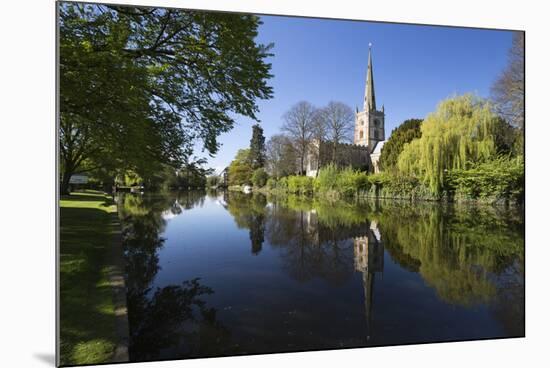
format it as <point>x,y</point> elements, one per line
<point>282,184</point>
<point>327,180</point>
<point>499,179</point>
<point>341,182</point>
<point>271,183</point>
<point>350,182</point>
<point>300,185</point>
<point>259,177</point>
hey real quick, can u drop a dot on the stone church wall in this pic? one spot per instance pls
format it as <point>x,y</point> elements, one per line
<point>321,154</point>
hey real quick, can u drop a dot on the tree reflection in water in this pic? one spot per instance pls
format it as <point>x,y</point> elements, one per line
<point>249,212</point>
<point>172,321</point>
<point>466,256</point>
<point>470,255</point>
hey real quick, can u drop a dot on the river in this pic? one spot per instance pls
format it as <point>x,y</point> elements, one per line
<point>217,274</point>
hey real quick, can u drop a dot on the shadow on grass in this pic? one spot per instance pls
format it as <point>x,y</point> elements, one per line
<point>87,319</point>
<point>89,196</point>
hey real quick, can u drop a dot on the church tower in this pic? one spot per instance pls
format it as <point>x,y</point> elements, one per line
<point>369,123</point>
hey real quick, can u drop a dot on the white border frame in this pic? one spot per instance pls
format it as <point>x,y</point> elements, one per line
<point>27,144</point>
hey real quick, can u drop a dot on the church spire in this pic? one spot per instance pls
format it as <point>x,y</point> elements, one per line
<point>370,101</point>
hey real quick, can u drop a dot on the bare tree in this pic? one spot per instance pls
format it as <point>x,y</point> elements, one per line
<point>508,91</point>
<point>298,125</point>
<point>338,119</point>
<point>318,135</point>
<point>281,156</point>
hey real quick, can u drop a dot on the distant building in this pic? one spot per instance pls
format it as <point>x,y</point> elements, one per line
<point>368,138</point>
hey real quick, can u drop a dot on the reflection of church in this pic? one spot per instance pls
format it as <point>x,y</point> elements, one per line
<point>369,259</point>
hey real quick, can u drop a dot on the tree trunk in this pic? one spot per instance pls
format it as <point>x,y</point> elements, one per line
<point>67,171</point>
<point>65,178</point>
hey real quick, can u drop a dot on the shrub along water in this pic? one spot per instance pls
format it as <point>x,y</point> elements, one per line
<point>500,180</point>
<point>494,181</point>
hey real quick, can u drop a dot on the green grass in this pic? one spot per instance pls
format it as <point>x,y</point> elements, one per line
<point>87,321</point>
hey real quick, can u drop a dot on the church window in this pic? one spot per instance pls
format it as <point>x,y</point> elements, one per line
<point>361,134</point>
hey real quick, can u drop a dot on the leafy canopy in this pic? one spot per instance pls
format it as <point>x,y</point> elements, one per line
<point>463,130</point>
<point>404,133</point>
<point>141,86</point>
<point>257,147</point>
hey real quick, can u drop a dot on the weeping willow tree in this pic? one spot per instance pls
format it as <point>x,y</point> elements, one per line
<point>462,131</point>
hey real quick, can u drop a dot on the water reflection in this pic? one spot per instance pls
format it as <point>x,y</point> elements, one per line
<point>172,320</point>
<point>442,272</point>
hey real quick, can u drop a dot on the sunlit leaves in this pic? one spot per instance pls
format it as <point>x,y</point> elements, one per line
<point>463,130</point>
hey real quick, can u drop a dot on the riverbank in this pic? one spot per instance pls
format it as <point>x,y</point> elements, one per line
<point>485,185</point>
<point>91,307</point>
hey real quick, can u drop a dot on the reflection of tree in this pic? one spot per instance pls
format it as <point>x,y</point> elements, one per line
<point>312,247</point>
<point>459,251</point>
<point>249,212</point>
<point>175,318</point>
<point>510,305</point>
<point>468,254</point>
<point>190,199</point>
<point>172,320</point>
<point>142,224</point>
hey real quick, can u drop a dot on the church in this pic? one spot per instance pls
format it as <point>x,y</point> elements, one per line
<point>368,138</point>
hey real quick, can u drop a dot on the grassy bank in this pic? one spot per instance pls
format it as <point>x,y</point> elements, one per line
<point>87,323</point>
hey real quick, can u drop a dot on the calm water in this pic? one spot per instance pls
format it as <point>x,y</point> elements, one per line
<point>229,273</point>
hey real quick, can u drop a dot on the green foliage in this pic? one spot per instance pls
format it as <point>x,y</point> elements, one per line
<point>398,186</point>
<point>345,182</point>
<point>499,179</point>
<point>457,250</point>
<point>240,171</point>
<point>327,178</point>
<point>271,183</point>
<point>380,178</point>
<point>282,183</point>
<point>257,147</point>
<point>300,185</point>
<point>167,178</point>
<point>130,179</point>
<point>403,134</point>
<point>462,130</point>
<point>162,79</point>
<point>213,181</point>
<point>259,178</point>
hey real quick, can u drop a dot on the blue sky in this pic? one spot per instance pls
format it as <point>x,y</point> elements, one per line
<point>415,67</point>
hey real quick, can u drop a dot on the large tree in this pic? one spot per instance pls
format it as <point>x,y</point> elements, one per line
<point>140,86</point>
<point>338,119</point>
<point>403,134</point>
<point>462,131</point>
<point>257,147</point>
<point>240,171</point>
<point>508,91</point>
<point>281,156</point>
<point>298,125</point>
